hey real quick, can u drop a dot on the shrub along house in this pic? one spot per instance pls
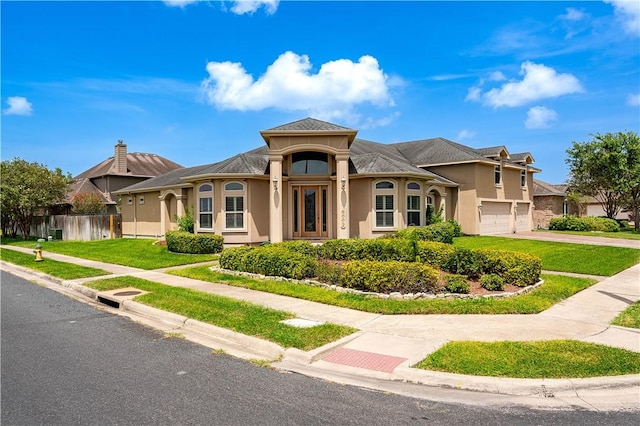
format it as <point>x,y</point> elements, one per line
<point>315,180</point>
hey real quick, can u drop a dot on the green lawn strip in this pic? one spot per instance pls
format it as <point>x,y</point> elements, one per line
<point>630,317</point>
<point>535,359</point>
<point>136,253</point>
<point>66,271</point>
<point>243,317</point>
<point>564,257</point>
<point>622,235</point>
<point>554,289</point>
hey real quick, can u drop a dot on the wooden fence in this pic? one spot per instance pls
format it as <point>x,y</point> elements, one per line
<point>84,228</point>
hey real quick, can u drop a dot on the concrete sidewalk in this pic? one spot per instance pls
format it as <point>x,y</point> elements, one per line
<point>382,353</point>
<point>575,239</point>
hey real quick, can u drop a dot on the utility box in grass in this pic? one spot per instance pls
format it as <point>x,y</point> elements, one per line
<point>55,234</point>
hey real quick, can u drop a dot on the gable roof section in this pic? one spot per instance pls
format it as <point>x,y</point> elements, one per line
<point>494,151</point>
<point>173,178</point>
<point>541,188</point>
<point>375,158</point>
<point>253,162</point>
<point>85,186</point>
<point>522,157</point>
<point>139,164</point>
<point>308,124</point>
<point>431,152</point>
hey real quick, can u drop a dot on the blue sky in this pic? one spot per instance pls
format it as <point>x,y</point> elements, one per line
<point>196,81</point>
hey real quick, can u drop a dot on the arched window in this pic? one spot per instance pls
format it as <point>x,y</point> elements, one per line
<point>309,163</point>
<point>384,195</point>
<point>414,201</point>
<point>205,206</point>
<point>234,195</point>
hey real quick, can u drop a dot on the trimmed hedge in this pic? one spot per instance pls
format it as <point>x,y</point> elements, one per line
<point>380,249</point>
<point>442,232</point>
<point>272,260</point>
<point>519,269</point>
<point>492,282</point>
<point>185,242</point>
<point>389,277</point>
<point>589,223</point>
<point>464,262</point>
<point>302,247</point>
<point>434,253</point>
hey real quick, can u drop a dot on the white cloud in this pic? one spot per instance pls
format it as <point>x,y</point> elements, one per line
<point>466,134</point>
<point>497,76</point>
<point>628,11</point>
<point>540,117</point>
<point>242,7</point>
<point>539,82</point>
<point>179,3</point>
<point>18,105</point>
<point>573,15</point>
<point>633,100</point>
<point>289,84</point>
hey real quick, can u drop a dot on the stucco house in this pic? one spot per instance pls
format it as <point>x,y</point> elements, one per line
<point>114,173</point>
<point>315,180</point>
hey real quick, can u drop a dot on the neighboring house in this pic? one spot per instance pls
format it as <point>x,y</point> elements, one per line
<point>114,173</point>
<point>316,180</point>
<point>553,201</point>
<point>550,201</point>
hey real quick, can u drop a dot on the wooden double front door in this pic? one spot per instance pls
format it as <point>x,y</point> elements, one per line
<point>310,211</point>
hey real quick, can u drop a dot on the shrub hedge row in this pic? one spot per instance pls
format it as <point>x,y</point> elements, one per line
<point>442,232</point>
<point>381,249</point>
<point>270,260</point>
<point>589,223</point>
<point>186,242</point>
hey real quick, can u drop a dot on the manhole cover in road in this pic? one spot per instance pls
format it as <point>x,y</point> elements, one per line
<point>127,293</point>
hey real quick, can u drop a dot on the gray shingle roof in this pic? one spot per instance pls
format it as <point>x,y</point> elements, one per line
<point>434,151</point>
<point>492,151</point>
<point>541,188</point>
<point>254,162</point>
<point>520,156</point>
<point>138,164</point>
<point>308,124</point>
<point>172,178</point>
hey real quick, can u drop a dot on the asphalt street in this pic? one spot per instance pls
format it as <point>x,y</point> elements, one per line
<point>68,363</point>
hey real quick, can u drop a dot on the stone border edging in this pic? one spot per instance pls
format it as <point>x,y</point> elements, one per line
<point>395,295</point>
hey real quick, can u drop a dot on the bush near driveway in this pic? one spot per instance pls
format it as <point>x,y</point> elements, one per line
<point>589,223</point>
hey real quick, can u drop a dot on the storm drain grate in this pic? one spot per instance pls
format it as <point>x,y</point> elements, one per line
<point>109,302</point>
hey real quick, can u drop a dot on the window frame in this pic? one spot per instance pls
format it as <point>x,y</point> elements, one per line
<point>235,194</point>
<point>523,178</point>
<point>201,195</point>
<point>497,173</point>
<point>385,192</point>
<point>413,192</point>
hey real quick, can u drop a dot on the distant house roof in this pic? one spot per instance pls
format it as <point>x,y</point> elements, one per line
<point>85,186</point>
<point>139,164</point>
<point>541,188</point>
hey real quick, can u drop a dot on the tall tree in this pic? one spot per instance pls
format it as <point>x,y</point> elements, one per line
<point>608,169</point>
<point>26,189</point>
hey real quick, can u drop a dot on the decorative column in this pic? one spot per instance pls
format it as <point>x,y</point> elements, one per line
<point>180,205</point>
<point>443,204</point>
<point>163,213</point>
<point>276,189</point>
<point>342,195</point>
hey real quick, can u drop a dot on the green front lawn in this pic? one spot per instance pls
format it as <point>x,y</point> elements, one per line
<point>630,317</point>
<point>66,271</point>
<point>622,235</point>
<point>564,257</point>
<point>555,289</point>
<point>136,253</point>
<point>239,316</point>
<point>537,359</point>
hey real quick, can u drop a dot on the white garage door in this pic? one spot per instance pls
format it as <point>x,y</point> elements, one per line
<point>522,218</point>
<point>495,218</point>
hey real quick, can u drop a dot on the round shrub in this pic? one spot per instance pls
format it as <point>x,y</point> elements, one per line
<point>434,253</point>
<point>464,262</point>
<point>589,223</point>
<point>185,242</point>
<point>457,229</point>
<point>442,232</point>
<point>329,271</point>
<point>388,277</point>
<point>519,269</point>
<point>492,282</point>
<point>234,258</point>
<point>457,284</point>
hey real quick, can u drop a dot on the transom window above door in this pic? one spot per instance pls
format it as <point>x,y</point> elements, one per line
<point>309,163</point>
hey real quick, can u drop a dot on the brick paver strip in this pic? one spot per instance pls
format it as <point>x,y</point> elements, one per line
<point>362,359</point>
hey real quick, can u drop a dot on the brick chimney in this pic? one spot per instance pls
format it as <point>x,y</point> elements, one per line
<point>120,159</point>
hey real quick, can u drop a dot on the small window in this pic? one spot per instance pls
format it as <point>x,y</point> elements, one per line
<point>497,175</point>
<point>414,204</point>
<point>413,186</point>
<point>523,178</point>
<point>205,206</point>
<point>141,200</point>
<point>234,205</point>
<point>309,163</point>
<point>384,185</point>
<point>129,201</point>
<point>384,204</point>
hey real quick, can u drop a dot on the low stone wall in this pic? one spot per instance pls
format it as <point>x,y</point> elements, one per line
<point>395,296</point>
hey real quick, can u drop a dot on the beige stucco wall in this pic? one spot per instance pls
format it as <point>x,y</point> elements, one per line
<point>141,220</point>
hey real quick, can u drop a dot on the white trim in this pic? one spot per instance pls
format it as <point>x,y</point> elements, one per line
<point>198,197</point>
